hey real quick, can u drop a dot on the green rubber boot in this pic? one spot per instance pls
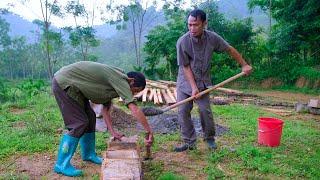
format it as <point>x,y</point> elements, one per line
<point>68,146</point>
<point>88,146</point>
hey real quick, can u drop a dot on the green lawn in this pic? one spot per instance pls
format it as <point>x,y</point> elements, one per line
<point>31,126</point>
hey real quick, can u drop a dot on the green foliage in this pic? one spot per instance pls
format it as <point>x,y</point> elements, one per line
<point>160,46</point>
<point>20,92</point>
<point>171,176</point>
<point>293,39</point>
<point>32,87</point>
<point>3,91</point>
<point>307,72</point>
<point>83,38</point>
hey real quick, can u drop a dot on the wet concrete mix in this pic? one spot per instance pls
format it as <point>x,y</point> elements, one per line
<point>166,123</point>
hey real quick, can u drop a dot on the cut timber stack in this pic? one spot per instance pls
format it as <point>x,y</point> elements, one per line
<point>165,92</point>
<point>159,92</point>
<point>122,160</point>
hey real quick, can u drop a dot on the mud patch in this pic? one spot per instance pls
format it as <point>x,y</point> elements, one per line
<point>19,125</point>
<point>17,111</point>
<point>40,166</point>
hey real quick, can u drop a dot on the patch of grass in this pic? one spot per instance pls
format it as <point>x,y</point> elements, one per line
<point>101,144</point>
<point>153,169</point>
<point>13,176</point>
<point>161,140</point>
<point>213,172</point>
<point>170,176</point>
<point>295,157</point>
<point>34,130</point>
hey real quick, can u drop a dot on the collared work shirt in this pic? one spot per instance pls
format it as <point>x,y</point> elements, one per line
<point>197,52</point>
<point>97,82</point>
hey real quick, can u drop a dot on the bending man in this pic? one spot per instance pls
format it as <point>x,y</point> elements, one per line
<point>73,86</point>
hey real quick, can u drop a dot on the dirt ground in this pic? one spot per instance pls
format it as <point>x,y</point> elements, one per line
<point>287,96</point>
<point>40,165</point>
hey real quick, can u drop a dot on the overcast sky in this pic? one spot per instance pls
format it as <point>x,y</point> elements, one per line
<point>31,9</point>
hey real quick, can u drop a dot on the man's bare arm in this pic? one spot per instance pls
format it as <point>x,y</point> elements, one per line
<point>107,119</point>
<point>190,78</point>
<point>138,114</point>
<point>237,56</point>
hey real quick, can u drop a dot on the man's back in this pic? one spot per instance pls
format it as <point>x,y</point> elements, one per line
<point>97,82</point>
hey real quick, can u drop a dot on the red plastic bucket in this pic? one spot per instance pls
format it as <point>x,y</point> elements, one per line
<point>269,131</point>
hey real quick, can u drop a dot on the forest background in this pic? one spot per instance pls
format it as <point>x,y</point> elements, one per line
<point>280,39</point>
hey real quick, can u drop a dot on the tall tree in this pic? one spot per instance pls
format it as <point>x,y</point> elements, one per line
<point>82,36</point>
<point>48,9</point>
<point>5,42</point>
<point>295,34</point>
<point>139,18</point>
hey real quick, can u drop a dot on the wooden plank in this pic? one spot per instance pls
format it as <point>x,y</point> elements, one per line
<point>139,94</point>
<point>155,96</point>
<point>232,91</point>
<point>171,95</point>
<point>159,96</point>
<point>174,90</point>
<point>170,83</point>
<point>166,97</point>
<point>156,84</point>
<point>144,95</point>
<point>151,95</point>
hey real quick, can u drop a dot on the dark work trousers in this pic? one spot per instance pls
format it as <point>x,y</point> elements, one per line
<point>184,118</point>
<point>77,119</point>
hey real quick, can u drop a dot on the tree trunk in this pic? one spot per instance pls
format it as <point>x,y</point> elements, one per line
<point>48,53</point>
<point>135,41</point>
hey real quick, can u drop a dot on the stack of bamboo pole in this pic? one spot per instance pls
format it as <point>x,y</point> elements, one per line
<point>158,92</point>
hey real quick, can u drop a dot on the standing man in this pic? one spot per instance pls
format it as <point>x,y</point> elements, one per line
<point>194,52</point>
<point>73,86</point>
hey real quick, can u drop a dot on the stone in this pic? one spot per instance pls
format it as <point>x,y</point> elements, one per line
<point>314,103</point>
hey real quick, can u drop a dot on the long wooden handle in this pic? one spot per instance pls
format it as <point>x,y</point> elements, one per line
<point>204,92</point>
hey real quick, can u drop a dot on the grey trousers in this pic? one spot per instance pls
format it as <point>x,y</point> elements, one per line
<point>184,117</point>
<point>77,119</point>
